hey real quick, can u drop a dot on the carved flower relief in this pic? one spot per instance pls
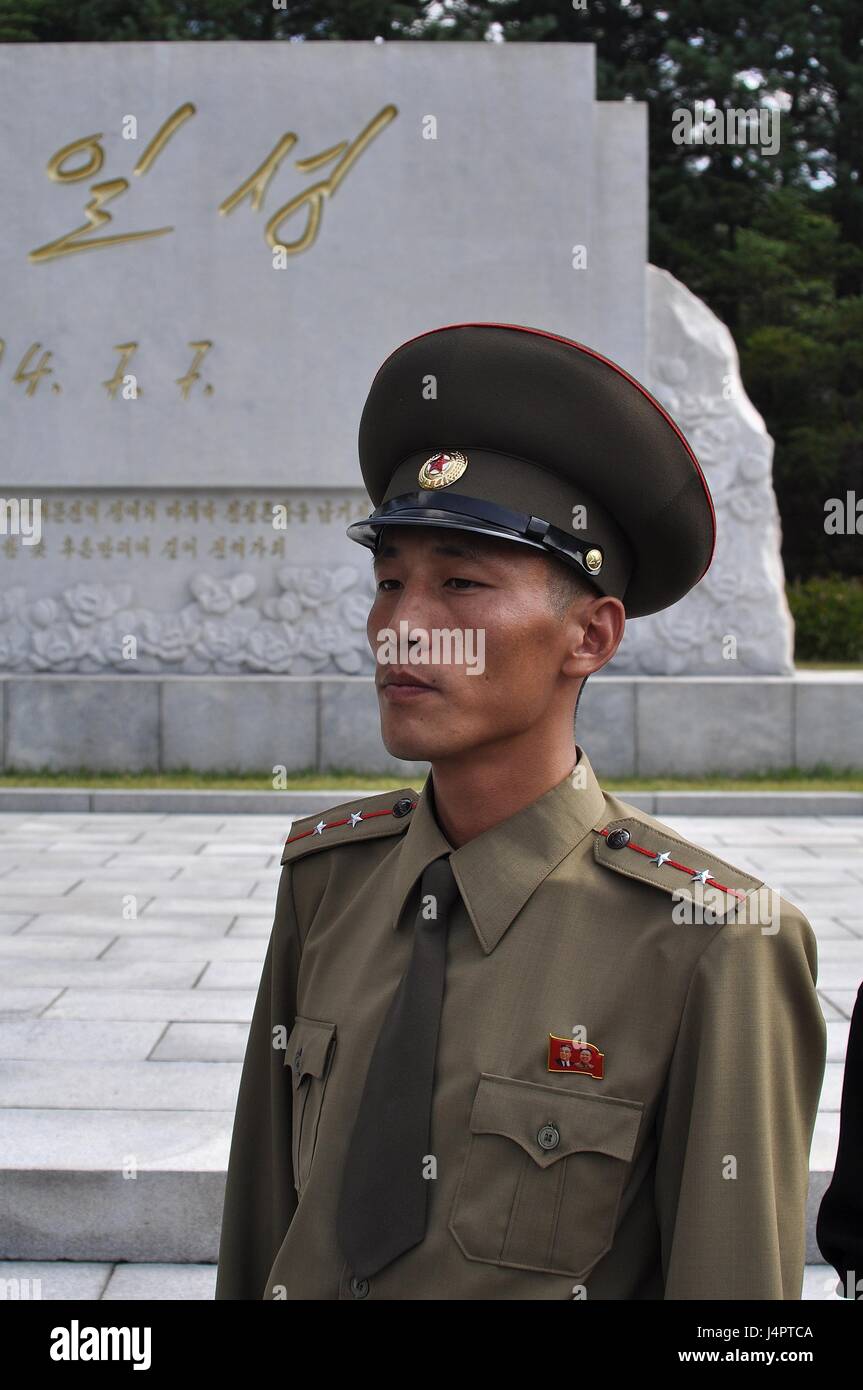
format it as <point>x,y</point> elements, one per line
<point>712,426</point>
<point>14,645</point>
<point>223,640</point>
<point>169,636</point>
<point>14,633</point>
<point>221,626</point>
<point>11,603</point>
<point>113,636</point>
<point>60,647</point>
<point>89,603</point>
<point>755,503</point>
<point>317,623</point>
<point>669,372</point>
<point>44,612</point>
<point>355,611</point>
<point>216,595</point>
<point>273,647</point>
<point>685,639</point>
<point>715,444</point>
<point>315,586</point>
<point>756,459</point>
<point>332,642</point>
<point>685,407</point>
<point>723,583</point>
<point>747,568</point>
<point>284,609</point>
<point>692,637</point>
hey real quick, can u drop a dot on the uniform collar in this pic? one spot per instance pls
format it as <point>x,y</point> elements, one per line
<point>498,870</point>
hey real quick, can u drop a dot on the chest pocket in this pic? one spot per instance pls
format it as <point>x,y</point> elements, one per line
<point>309,1054</point>
<point>543,1175</point>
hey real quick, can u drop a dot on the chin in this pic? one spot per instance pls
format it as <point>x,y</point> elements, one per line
<point>411,750</point>
<point>418,746</point>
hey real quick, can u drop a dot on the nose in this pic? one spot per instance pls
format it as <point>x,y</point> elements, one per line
<point>413,604</point>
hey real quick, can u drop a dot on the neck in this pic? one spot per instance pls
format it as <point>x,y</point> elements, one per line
<point>472,793</point>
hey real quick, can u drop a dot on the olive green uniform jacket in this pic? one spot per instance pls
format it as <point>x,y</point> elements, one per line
<point>680,1172</point>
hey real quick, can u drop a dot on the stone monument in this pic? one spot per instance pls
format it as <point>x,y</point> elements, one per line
<point>211,249</point>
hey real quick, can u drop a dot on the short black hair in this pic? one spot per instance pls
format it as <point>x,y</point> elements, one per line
<point>566,585</point>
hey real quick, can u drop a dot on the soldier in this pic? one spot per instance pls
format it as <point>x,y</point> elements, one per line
<point>514,1038</point>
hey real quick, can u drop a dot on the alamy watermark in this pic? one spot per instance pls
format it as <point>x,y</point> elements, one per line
<point>437,646</point>
<point>734,125</point>
<point>21,516</point>
<point>707,906</point>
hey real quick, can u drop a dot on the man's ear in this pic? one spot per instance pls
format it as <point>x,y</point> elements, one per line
<point>602,626</point>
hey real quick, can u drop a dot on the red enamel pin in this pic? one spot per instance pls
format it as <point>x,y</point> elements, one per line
<point>566,1055</point>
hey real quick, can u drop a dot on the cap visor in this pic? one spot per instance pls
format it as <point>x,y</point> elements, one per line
<point>365,531</point>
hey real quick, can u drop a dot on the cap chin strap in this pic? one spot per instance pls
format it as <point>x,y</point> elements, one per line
<point>532,529</point>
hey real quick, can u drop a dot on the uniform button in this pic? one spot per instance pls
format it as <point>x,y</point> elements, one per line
<point>549,1136</point>
<point>403,806</point>
<point>359,1287</point>
<point>297,1060</point>
<point>618,838</point>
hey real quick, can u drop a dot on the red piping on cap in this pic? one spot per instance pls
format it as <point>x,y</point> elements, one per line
<point>571,342</point>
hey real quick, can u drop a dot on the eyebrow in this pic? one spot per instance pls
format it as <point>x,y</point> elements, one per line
<point>461,551</point>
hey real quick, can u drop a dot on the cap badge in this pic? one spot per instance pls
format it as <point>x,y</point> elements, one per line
<point>442,469</point>
<point>566,1055</point>
<point>593,560</point>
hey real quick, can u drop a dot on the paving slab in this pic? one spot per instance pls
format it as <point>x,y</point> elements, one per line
<point>11,922</point>
<point>72,1038</point>
<point>843,1000</point>
<point>145,1086</point>
<point>159,906</point>
<point>202,1042</point>
<point>20,947</point>
<point>95,905</point>
<point>33,856</point>
<point>832,1012</point>
<point>236,974</point>
<point>199,886</point>
<point>167,1005</point>
<point>161,1281</point>
<point>837,1040</point>
<point>821,1284</point>
<point>113,1141</point>
<point>45,883</point>
<point>259,925</point>
<point>107,925</point>
<point>103,976</point>
<point>17,1001</point>
<point>201,950</point>
<point>54,1280</point>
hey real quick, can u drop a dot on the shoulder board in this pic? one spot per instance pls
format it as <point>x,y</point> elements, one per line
<point>364,818</point>
<point>649,851</point>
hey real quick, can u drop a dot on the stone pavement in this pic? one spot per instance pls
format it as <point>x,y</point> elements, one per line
<point>130,952</point>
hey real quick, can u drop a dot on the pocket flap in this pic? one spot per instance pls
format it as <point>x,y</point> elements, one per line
<point>521,1110</point>
<point>308,1045</point>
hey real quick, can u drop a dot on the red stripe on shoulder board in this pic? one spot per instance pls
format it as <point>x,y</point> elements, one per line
<point>684,868</point>
<point>332,824</point>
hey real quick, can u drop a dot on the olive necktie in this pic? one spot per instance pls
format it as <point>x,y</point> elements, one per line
<point>383,1202</point>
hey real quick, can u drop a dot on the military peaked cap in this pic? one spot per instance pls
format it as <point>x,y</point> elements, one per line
<point>540,440</point>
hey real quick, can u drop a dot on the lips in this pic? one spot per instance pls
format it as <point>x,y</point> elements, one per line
<point>402,678</point>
